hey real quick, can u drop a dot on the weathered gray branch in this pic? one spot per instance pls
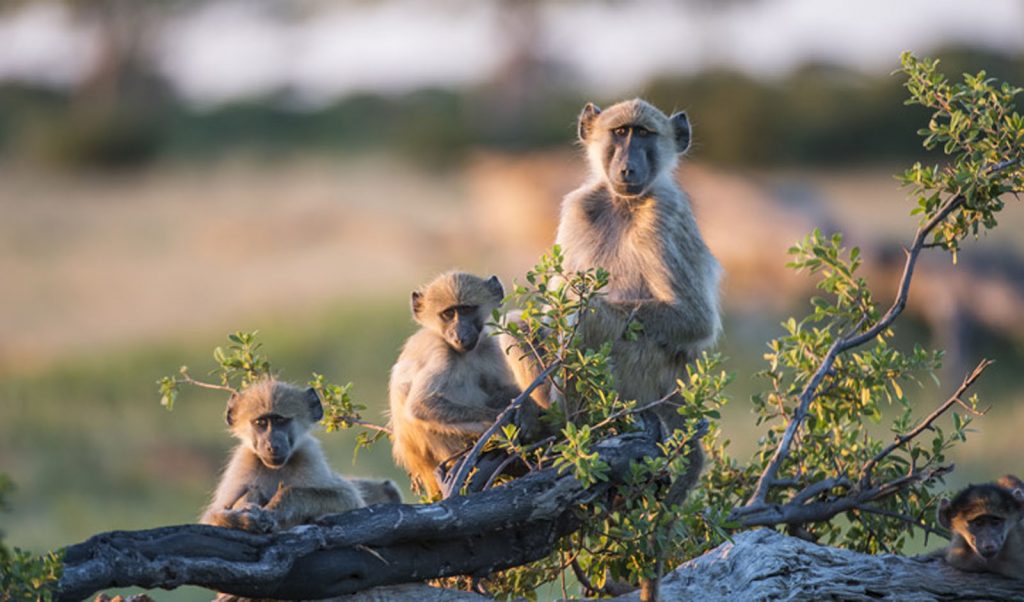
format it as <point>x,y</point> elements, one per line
<point>381,545</point>
<point>765,565</point>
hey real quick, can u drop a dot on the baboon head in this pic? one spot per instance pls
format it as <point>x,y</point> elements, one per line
<point>272,418</point>
<point>983,515</point>
<point>632,143</point>
<point>455,305</point>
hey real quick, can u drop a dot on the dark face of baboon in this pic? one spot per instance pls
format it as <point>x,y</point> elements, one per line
<point>271,417</point>
<point>983,515</point>
<point>456,305</point>
<point>632,143</point>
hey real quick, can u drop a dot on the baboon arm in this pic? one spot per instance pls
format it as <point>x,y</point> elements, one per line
<point>437,408</point>
<point>296,505</point>
<point>503,396</point>
<point>673,326</point>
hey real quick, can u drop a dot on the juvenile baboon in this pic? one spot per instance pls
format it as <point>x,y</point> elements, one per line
<point>378,491</point>
<point>451,380</point>
<point>986,525</point>
<point>277,476</point>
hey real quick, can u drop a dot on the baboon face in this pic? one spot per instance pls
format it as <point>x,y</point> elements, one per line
<point>271,417</point>
<point>273,439</point>
<point>983,515</point>
<point>455,305</point>
<point>633,142</point>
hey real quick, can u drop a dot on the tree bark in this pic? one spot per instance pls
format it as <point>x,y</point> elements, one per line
<point>765,565</point>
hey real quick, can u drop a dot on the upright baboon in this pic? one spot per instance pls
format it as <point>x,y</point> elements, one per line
<point>986,525</point>
<point>277,476</point>
<point>451,380</point>
<point>631,219</point>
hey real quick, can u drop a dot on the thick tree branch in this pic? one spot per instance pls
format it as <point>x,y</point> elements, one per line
<point>386,544</point>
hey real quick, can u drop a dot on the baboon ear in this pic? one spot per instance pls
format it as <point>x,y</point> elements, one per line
<point>943,514</point>
<point>229,411</point>
<point>316,410</point>
<point>1018,495</point>
<point>416,302</point>
<point>586,121</point>
<point>681,131</point>
<point>494,285</point>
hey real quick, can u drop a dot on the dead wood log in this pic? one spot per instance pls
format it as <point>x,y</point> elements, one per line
<point>765,565</point>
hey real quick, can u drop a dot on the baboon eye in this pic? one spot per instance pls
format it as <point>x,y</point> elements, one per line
<point>261,423</point>
<point>448,314</point>
<point>642,132</point>
<point>621,131</point>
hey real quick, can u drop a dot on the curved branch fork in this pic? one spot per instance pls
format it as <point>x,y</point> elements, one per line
<point>381,545</point>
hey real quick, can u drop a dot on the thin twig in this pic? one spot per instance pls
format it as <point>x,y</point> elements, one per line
<point>188,380</point>
<point>367,425</point>
<point>581,576</point>
<point>865,471</point>
<point>910,520</point>
<point>634,410</point>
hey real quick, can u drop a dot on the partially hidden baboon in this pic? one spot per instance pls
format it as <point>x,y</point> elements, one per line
<point>451,380</point>
<point>277,476</point>
<point>986,525</point>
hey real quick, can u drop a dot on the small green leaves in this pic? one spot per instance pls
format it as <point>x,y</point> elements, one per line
<point>241,363</point>
<point>169,391</point>
<point>23,575</point>
<point>977,124</point>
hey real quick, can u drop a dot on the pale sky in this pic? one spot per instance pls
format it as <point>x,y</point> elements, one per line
<point>223,50</point>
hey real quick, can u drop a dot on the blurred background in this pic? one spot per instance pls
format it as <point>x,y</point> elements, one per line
<point>171,171</point>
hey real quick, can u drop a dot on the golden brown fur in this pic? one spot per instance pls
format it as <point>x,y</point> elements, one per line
<point>450,381</point>
<point>277,476</point>
<point>986,525</point>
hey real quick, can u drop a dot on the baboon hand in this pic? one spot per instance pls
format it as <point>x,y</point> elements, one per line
<point>255,519</point>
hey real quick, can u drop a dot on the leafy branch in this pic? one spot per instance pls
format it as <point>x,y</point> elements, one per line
<point>243,362</point>
<point>817,368</point>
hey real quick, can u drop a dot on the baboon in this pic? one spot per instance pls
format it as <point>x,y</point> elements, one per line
<point>632,219</point>
<point>277,476</point>
<point>378,491</point>
<point>986,525</point>
<point>451,380</point>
